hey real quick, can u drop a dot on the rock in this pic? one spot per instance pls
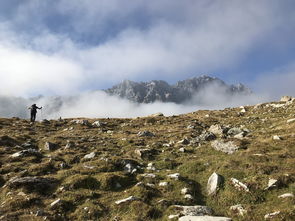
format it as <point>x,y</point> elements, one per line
<point>204,218</point>
<point>226,147</point>
<point>276,137</point>
<point>45,121</point>
<point>96,124</point>
<point>239,185</point>
<point>182,149</point>
<point>183,141</point>
<point>56,203</point>
<point>291,120</point>
<point>70,144</point>
<point>130,166</point>
<point>28,152</point>
<point>175,176</point>
<point>193,210</point>
<point>185,191</point>
<point>216,129</point>
<point>150,166</point>
<point>144,153</point>
<point>272,183</point>
<point>129,199</point>
<point>149,175</point>
<point>50,146</point>
<point>214,183</point>
<point>272,215</point>
<point>31,183</point>
<point>82,122</point>
<point>163,184</point>
<point>173,216</point>
<point>145,134</point>
<point>238,209</point>
<point>286,98</point>
<point>206,136</point>
<point>157,115</point>
<point>234,131</point>
<point>89,156</point>
<point>188,197</point>
<point>286,195</point>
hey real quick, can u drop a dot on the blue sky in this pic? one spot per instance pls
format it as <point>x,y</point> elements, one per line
<point>68,46</point>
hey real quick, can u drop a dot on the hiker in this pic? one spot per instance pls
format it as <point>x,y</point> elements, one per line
<point>34,112</point>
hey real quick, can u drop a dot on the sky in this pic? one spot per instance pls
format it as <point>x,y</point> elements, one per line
<point>62,47</point>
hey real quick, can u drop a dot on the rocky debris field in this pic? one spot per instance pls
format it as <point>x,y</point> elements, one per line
<point>231,164</point>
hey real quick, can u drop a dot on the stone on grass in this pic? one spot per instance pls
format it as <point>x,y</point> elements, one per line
<point>82,122</point>
<point>238,209</point>
<point>276,137</point>
<point>204,218</point>
<point>50,146</point>
<point>70,144</point>
<point>145,134</point>
<point>163,184</point>
<point>89,156</point>
<point>96,124</point>
<point>213,184</point>
<point>227,147</point>
<point>128,199</point>
<point>291,120</point>
<point>272,183</point>
<point>31,183</point>
<point>286,98</point>
<point>272,215</point>
<point>144,153</point>
<point>188,197</point>
<point>216,129</point>
<point>193,210</point>
<point>28,152</point>
<point>56,203</point>
<point>175,176</point>
<point>185,191</point>
<point>239,185</point>
<point>286,195</point>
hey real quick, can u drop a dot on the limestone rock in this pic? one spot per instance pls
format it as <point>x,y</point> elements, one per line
<point>238,209</point>
<point>31,183</point>
<point>216,129</point>
<point>175,176</point>
<point>291,120</point>
<point>272,215</point>
<point>239,185</point>
<point>185,191</point>
<point>214,183</point>
<point>163,184</point>
<point>204,218</point>
<point>272,183</point>
<point>276,137</point>
<point>286,98</point>
<point>56,203</point>
<point>96,124</point>
<point>144,153</point>
<point>50,146</point>
<point>145,134</point>
<point>286,195</point>
<point>193,210</point>
<point>82,122</point>
<point>89,156</point>
<point>128,199</point>
<point>184,141</point>
<point>28,152</point>
<point>227,147</point>
<point>70,144</point>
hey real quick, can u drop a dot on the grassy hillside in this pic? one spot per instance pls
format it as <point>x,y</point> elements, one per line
<point>133,157</point>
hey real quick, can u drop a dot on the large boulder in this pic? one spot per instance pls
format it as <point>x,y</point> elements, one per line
<point>227,147</point>
<point>214,182</point>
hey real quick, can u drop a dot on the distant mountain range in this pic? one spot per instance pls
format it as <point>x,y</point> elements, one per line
<point>157,90</point>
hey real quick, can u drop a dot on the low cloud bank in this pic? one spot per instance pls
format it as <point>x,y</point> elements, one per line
<point>99,105</point>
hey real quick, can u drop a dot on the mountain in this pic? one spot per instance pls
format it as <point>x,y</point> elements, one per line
<point>148,92</point>
<point>152,168</point>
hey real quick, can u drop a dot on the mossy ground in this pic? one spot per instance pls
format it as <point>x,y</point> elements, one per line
<point>90,187</point>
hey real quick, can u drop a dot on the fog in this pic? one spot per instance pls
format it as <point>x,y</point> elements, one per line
<point>100,105</point>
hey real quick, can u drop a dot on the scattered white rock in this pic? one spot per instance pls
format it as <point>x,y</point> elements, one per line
<point>128,199</point>
<point>163,184</point>
<point>69,144</point>
<point>272,215</point>
<point>214,183</point>
<point>182,149</point>
<point>90,155</point>
<point>286,98</point>
<point>204,218</point>
<point>183,141</point>
<point>148,175</point>
<point>227,147</point>
<point>238,209</point>
<point>96,124</point>
<point>49,146</point>
<point>82,122</point>
<point>188,197</point>
<point>193,210</point>
<point>276,137</point>
<point>239,185</point>
<point>145,134</point>
<point>27,152</point>
<point>286,195</point>
<point>185,191</point>
<point>150,166</point>
<point>272,183</point>
<point>216,129</point>
<point>174,176</point>
<point>56,203</point>
<point>291,120</point>
<point>173,216</point>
